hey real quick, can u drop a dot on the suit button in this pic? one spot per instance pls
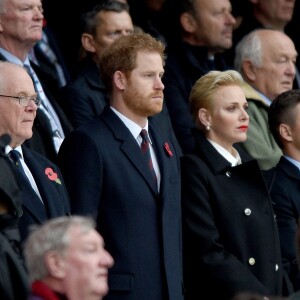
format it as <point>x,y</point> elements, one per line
<point>228,174</point>
<point>247,211</point>
<point>275,218</point>
<point>276,267</point>
<point>18,213</point>
<point>251,261</point>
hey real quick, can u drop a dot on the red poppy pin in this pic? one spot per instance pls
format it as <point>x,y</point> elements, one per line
<point>52,175</point>
<point>167,148</point>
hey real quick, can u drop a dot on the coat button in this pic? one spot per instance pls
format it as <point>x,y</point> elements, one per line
<point>251,261</point>
<point>228,174</point>
<point>18,213</point>
<point>247,211</point>
<point>276,267</point>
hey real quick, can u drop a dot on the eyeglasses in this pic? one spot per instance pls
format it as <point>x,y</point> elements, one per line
<point>25,100</point>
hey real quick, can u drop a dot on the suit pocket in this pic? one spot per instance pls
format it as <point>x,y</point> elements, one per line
<point>120,282</point>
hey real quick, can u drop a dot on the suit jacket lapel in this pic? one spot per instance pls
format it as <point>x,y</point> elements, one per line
<point>30,200</point>
<point>159,143</point>
<point>47,188</point>
<point>129,146</point>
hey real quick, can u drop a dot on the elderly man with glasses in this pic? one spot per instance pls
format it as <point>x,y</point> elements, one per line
<point>44,194</point>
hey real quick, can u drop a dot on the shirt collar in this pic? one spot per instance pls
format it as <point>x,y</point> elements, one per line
<point>13,59</point>
<point>234,160</point>
<point>19,149</point>
<point>293,161</point>
<point>264,98</point>
<point>134,128</point>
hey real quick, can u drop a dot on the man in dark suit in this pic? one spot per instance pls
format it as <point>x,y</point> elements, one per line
<point>128,182</point>
<point>20,30</point>
<point>44,195</point>
<point>14,283</point>
<point>85,97</point>
<point>205,34</point>
<point>283,117</point>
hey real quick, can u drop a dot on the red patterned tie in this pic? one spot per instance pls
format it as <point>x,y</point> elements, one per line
<point>145,147</point>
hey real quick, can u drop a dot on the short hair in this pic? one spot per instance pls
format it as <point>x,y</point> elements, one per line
<point>90,20</point>
<point>204,88</point>
<point>281,111</point>
<point>187,6</point>
<point>173,9</point>
<point>122,54</point>
<point>51,236</point>
<point>248,48</point>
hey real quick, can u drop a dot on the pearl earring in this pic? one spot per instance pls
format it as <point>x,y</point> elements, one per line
<point>207,126</point>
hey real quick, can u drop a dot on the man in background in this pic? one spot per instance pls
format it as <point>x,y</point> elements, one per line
<point>266,58</point>
<point>86,96</point>
<point>66,259</point>
<point>205,34</point>
<point>20,30</point>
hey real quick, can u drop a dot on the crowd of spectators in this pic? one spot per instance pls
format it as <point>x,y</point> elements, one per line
<point>149,149</point>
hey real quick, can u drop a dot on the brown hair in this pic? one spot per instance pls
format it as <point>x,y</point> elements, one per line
<point>121,55</point>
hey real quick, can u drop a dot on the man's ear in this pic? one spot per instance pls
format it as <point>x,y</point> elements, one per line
<point>249,70</point>
<point>188,22</point>
<point>87,42</point>
<point>120,80</point>
<point>285,132</point>
<point>55,265</point>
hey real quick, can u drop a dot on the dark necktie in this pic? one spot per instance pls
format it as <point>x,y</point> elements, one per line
<point>145,147</point>
<point>15,157</point>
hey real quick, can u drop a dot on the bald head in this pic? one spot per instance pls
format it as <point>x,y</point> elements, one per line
<point>266,58</point>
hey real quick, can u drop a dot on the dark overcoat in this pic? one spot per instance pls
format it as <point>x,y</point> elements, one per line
<point>108,178</point>
<point>230,237</point>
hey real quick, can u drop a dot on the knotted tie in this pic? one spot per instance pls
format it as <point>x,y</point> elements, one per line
<point>145,147</point>
<point>47,109</point>
<point>15,157</point>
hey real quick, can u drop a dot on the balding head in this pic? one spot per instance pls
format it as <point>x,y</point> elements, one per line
<point>266,59</point>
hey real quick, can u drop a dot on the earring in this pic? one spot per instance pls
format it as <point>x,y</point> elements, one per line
<point>207,126</point>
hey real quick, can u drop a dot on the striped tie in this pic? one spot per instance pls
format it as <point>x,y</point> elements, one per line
<point>57,133</point>
<point>145,147</point>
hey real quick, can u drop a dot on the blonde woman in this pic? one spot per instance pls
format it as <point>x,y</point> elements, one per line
<point>230,236</point>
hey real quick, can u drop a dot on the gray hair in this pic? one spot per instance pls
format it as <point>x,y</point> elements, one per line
<point>51,236</point>
<point>249,48</point>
